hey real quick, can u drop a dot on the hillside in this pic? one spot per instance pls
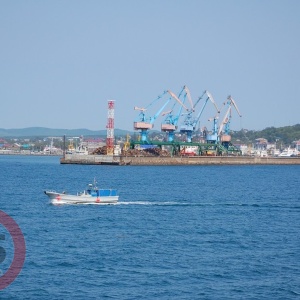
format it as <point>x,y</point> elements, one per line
<point>46,132</point>
<point>283,135</point>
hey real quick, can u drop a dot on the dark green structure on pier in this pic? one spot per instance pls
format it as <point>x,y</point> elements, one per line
<point>177,148</point>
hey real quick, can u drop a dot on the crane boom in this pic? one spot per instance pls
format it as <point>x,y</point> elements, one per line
<point>212,100</point>
<point>139,108</point>
<point>234,104</point>
<point>159,111</point>
<point>176,98</point>
<point>166,112</point>
<point>209,97</point>
<point>189,97</point>
<point>225,120</point>
<point>199,99</point>
<point>202,109</point>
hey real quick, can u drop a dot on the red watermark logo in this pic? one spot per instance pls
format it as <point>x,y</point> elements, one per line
<point>19,250</point>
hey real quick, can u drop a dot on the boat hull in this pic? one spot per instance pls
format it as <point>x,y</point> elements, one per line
<point>62,198</point>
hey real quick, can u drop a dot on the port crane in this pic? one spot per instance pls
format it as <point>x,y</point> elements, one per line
<point>146,123</point>
<point>213,138</point>
<point>225,136</point>
<point>190,123</point>
<point>169,124</point>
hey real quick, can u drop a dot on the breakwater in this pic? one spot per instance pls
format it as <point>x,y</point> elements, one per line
<point>184,160</point>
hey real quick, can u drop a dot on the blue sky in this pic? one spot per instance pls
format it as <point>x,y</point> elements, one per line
<point>61,61</point>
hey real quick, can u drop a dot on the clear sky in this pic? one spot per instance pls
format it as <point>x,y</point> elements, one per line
<point>60,61</point>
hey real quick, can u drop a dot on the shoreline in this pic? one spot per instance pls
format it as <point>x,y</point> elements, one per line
<point>120,160</point>
<point>30,154</point>
<point>183,160</point>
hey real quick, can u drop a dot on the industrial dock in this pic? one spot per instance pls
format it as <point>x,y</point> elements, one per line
<point>172,161</point>
<point>191,147</point>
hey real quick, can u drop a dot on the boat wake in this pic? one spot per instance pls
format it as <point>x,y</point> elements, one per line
<point>164,203</point>
<point>187,204</point>
<point>148,203</point>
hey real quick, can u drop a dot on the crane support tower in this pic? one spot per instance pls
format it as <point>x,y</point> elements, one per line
<point>110,127</point>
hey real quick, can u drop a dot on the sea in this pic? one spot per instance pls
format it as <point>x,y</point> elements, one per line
<point>178,232</point>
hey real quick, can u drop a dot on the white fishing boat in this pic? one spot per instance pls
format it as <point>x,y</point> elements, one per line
<point>92,195</point>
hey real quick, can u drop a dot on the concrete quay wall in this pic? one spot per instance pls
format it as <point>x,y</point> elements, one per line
<point>195,160</point>
<point>215,160</point>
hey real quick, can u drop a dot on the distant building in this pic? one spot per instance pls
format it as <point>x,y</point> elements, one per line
<point>261,144</point>
<point>297,145</point>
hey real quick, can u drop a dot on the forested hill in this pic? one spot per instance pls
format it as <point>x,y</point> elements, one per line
<point>44,132</point>
<point>285,135</point>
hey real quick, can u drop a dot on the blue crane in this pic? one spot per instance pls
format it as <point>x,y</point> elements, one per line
<point>146,123</point>
<point>209,97</point>
<point>225,135</point>
<point>169,124</point>
<point>213,137</point>
<point>190,122</point>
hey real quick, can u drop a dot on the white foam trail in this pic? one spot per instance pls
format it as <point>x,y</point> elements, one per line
<point>149,203</point>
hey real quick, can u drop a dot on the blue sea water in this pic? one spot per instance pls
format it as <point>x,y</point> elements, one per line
<point>178,232</point>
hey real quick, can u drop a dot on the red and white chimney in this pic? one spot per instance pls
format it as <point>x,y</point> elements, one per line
<point>110,127</point>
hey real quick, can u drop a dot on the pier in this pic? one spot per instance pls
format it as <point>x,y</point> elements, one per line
<point>183,160</point>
